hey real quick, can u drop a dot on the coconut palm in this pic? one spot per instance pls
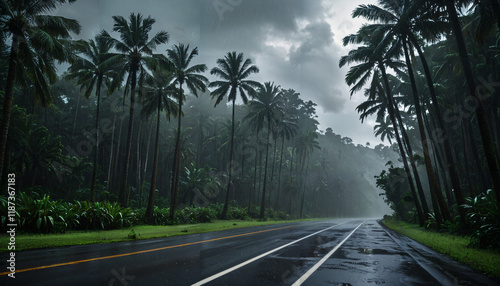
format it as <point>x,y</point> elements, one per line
<point>374,56</point>
<point>36,41</point>
<point>179,60</point>
<point>233,71</point>
<point>406,21</point>
<point>95,69</point>
<point>155,97</point>
<point>136,48</point>
<point>266,110</point>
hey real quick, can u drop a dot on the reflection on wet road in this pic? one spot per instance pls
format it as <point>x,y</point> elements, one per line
<point>332,252</point>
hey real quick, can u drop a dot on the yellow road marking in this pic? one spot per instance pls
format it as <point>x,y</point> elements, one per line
<point>138,252</point>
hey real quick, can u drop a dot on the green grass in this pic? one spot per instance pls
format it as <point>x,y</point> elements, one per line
<point>34,241</point>
<point>455,246</point>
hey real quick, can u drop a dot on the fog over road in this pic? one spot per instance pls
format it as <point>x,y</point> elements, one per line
<point>330,252</point>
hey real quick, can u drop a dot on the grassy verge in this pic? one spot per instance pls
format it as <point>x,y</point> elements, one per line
<point>34,241</point>
<point>455,246</point>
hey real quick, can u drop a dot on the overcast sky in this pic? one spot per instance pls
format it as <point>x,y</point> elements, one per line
<point>295,43</point>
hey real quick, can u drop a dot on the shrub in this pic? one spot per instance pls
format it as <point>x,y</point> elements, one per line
<point>483,213</point>
<point>196,215</point>
<point>160,216</point>
<point>40,215</point>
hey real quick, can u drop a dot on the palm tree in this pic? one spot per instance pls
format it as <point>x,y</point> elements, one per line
<point>179,60</point>
<point>405,20</point>
<point>98,67</point>
<point>233,71</point>
<point>375,55</point>
<point>137,51</point>
<point>155,96</point>
<point>36,40</point>
<point>266,108</point>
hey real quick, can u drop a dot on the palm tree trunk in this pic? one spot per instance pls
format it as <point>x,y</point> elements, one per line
<point>174,189</point>
<point>152,189</point>
<point>422,208</point>
<point>433,184</point>
<point>226,201</point>
<point>111,156</point>
<point>138,157</point>
<point>444,138</point>
<point>96,143</point>
<point>482,118</point>
<point>279,173</point>
<point>144,170</point>
<point>123,192</point>
<point>263,203</point>
<point>272,170</point>
<point>7,102</point>
<point>115,170</point>
<point>304,176</point>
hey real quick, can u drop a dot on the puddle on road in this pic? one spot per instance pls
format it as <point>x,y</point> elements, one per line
<point>373,251</point>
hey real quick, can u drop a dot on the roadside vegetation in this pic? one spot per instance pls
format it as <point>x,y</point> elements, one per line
<point>453,245</point>
<point>44,215</point>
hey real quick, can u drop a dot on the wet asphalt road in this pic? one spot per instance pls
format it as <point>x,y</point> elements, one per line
<point>286,254</point>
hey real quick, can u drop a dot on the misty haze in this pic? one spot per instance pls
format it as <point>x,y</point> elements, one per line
<point>250,142</point>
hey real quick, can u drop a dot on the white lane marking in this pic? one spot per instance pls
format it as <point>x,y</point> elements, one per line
<point>215,276</point>
<point>317,265</point>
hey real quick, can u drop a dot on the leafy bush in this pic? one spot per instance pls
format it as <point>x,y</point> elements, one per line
<point>39,215</point>
<point>103,215</point>
<point>483,213</point>
<point>237,213</point>
<point>161,216</point>
<point>191,215</point>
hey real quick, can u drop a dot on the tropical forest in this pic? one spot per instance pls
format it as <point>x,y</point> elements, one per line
<point>130,128</point>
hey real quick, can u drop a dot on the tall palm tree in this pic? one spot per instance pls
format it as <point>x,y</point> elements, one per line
<point>96,68</point>
<point>266,109</point>
<point>233,71</point>
<point>155,96</point>
<point>36,40</point>
<point>374,56</point>
<point>137,51</point>
<point>179,60</point>
<point>406,20</point>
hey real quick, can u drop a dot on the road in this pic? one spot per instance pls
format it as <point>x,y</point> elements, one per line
<point>331,252</point>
